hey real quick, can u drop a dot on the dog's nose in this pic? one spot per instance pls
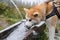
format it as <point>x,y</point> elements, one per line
<point>30,19</point>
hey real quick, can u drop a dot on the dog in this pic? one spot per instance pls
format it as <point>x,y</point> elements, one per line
<point>44,12</point>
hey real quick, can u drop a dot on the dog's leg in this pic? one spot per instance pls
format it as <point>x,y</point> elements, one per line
<point>51,23</point>
<point>51,32</point>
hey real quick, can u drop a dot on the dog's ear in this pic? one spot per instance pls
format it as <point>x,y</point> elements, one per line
<point>26,10</point>
<point>49,7</point>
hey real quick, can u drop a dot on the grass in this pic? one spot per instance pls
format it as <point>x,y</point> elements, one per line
<point>1,28</point>
<point>58,27</point>
<point>9,14</point>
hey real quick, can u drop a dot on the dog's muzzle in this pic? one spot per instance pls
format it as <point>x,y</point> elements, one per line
<point>28,27</point>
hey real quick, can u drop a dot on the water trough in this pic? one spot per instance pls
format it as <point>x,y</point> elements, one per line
<point>16,31</point>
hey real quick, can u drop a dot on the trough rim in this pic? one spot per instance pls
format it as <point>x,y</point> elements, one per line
<point>13,25</point>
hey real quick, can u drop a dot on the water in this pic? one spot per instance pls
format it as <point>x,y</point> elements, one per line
<point>19,33</point>
<point>17,8</point>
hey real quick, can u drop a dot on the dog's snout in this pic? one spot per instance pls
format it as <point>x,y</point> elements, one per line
<point>30,19</point>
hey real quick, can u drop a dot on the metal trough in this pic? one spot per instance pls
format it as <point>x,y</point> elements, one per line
<point>16,31</point>
<point>5,32</point>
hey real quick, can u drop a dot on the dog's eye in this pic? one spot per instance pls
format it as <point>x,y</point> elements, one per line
<point>35,15</point>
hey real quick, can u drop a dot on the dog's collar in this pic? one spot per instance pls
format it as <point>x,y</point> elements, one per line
<point>54,12</point>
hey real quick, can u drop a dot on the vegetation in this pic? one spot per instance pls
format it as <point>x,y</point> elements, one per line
<point>9,14</point>
<point>1,28</point>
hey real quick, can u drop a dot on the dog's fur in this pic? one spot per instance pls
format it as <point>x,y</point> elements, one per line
<point>38,13</point>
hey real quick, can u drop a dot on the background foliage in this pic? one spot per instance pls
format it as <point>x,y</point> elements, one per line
<point>9,14</point>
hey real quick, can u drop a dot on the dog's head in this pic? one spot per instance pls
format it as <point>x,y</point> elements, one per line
<point>35,14</point>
